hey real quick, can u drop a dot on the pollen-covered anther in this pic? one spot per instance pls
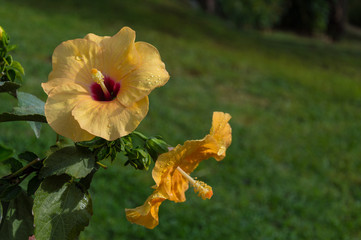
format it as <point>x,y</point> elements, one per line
<point>203,190</point>
<point>99,79</point>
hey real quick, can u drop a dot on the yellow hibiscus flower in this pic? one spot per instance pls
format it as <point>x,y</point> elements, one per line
<point>99,86</point>
<point>172,169</point>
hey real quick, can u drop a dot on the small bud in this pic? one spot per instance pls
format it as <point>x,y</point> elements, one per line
<point>1,32</point>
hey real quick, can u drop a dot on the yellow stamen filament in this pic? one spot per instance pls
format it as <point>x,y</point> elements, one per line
<point>203,190</point>
<point>99,78</point>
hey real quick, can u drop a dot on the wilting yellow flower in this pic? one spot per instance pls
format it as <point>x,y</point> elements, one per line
<point>147,214</point>
<point>99,86</point>
<point>172,169</point>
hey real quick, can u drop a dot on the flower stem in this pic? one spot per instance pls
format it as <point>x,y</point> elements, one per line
<point>18,172</point>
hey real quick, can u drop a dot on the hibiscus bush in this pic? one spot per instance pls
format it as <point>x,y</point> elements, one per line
<point>97,96</point>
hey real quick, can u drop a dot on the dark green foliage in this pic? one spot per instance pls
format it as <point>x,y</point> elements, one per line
<point>5,152</point>
<point>10,70</point>
<point>156,146</point>
<point>9,191</point>
<point>62,209</point>
<point>33,185</point>
<point>261,14</point>
<point>14,164</point>
<point>305,16</point>
<point>17,220</point>
<point>354,10</point>
<point>140,150</point>
<point>28,156</point>
<point>137,148</point>
<point>30,108</point>
<point>73,161</point>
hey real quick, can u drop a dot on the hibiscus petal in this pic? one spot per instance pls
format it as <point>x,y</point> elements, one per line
<point>95,38</point>
<point>221,131</point>
<point>74,59</point>
<point>48,86</point>
<point>58,108</point>
<point>189,155</point>
<point>148,74</point>
<point>119,54</point>
<point>109,119</point>
<point>147,214</point>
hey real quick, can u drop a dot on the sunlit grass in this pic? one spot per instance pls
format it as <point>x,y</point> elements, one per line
<point>293,170</point>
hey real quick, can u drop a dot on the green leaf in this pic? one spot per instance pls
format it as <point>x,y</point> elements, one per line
<point>102,153</point>
<point>28,156</point>
<point>11,192</point>
<point>11,47</point>
<point>30,108</point>
<point>36,126</point>
<point>138,158</point>
<point>85,182</point>
<point>18,221</point>
<point>5,152</point>
<point>156,146</point>
<point>17,71</point>
<point>4,210</point>
<point>8,86</point>
<point>69,160</point>
<point>14,164</point>
<point>61,209</point>
<point>9,60</point>
<point>94,143</point>
<point>29,104</point>
<point>10,74</point>
<point>16,65</point>
<point>5,38</point>
<point>33,185</point>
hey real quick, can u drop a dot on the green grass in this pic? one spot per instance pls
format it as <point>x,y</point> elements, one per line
<point>293,170</point>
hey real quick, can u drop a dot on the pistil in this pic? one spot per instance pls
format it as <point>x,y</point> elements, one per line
<point>203,190</point>
<point>99,79</point>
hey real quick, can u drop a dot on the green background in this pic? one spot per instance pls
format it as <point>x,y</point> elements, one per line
<point>293,170</point>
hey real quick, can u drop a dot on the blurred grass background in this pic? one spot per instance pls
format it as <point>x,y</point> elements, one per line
<point>293,170</point>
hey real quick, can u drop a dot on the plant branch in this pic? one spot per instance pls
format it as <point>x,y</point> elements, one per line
<point>21,170</point>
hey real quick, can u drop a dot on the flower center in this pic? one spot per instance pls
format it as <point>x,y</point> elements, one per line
<point>203,190</point>
<point>104,88</point>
